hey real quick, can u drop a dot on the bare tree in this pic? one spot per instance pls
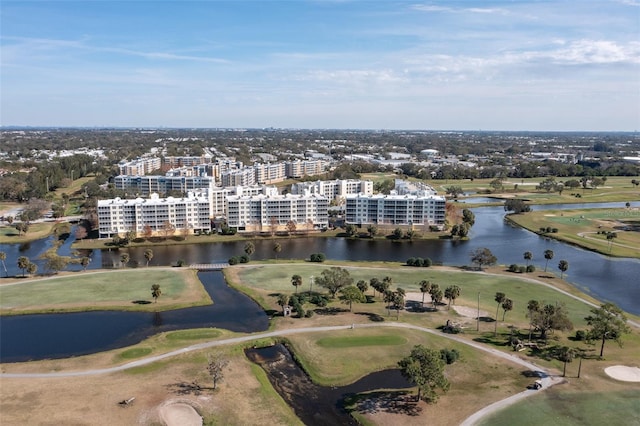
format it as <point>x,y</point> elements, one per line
<point>215,366</point>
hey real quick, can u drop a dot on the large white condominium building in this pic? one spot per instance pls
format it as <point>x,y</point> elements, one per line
<point>145,185</point>
<point>299,168</point>
<point>140,167</point>
<point>333,189</point>
<point>218,196</point>
<point>273,213</point>
<point>160,215</point>
<point>410,210</point>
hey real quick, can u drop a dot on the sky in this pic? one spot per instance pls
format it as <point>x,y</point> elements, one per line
<point>542,65</point>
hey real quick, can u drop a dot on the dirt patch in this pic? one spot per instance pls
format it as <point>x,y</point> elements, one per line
<point>468,312</point>
<point>623,373</point>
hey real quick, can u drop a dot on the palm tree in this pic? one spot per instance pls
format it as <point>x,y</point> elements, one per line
<point>249,248</point>
<point>283,300</point>
<point>548,254</point>
<point>124,259</point>
<point>23,263</point>
<point>507,305</point>
<point>566,355</point>
<point>32,268</point>
<point>528,256</point>
<point>500,297</point>
<point>425,287</point>
<point>155,292</point>
<point>452,292</point>
<point>563,266</point>
<point>148,254</point>
<point>532,306</point>
<point>296,281</point>
<point>363,286</point>
<point>277,248</point>
<point>388,298</point>
<point>3,257</point>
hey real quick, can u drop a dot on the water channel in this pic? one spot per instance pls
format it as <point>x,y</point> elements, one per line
<point>317,405</point>
<point>61,335</point>
<point>32,337</point>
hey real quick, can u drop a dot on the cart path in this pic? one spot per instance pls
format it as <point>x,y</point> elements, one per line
<point>547,380</point>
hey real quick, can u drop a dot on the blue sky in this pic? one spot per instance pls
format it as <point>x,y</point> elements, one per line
<point>462,65</point>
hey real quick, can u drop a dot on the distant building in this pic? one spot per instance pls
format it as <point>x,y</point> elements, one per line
<point>140,167</point>
<point>269,173</point>
<point>300,168</point>
<point>334,189</point>
<point>146,185</point>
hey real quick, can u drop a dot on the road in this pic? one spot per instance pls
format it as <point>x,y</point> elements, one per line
<point>547,380</point>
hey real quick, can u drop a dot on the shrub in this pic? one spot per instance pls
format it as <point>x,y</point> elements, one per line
<point>522,269</point>
<point>411,261</point>
<point>449,355</point>
<point>317,257</point>
<point>554,230</point>
<point>319,300</point>
<point>419,262</point>
<point>581,335</point>
<point>244,258</point>
<point>234,260</point>
<point>308,314</point>
<point>531,268</point>
<point>427,262</point>
<point>513,268</point>
<point>180,263</point>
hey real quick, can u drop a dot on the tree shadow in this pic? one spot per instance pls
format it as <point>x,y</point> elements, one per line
<point>184,388</point>
<point>140,302</point>
<point>330,311</point>
<point>372,316</point>
<point>393,402</point>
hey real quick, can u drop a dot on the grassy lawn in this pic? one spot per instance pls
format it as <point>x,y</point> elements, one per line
<point>581,227</point>
<point>120,290</point>
<point>9,234</point>
<point>616,189</point>
<point>572,409</point>
<point>475,380</point>
<point>265,282</point>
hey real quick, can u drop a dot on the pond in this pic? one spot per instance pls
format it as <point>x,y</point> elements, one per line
<point>32,337</point>
<point>314,404</point>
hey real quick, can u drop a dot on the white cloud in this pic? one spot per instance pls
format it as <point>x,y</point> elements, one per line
<point>598,52</point>
<point>481,10</point>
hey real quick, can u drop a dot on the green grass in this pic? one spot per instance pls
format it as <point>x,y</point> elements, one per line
<point>85,291</point>
<point>562,408</point>
<point>195,334</point>
<point>580,227</point>
<point>135,353</point>
<point>9,234</point>
<point>277,279</point>
<point>359,341</point>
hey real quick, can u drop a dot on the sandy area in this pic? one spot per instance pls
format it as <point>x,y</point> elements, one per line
<point>179,414</point>
<point>623,373</point>
<point>464,311</point>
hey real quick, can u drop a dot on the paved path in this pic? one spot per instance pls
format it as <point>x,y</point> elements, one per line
<point>547,380</point>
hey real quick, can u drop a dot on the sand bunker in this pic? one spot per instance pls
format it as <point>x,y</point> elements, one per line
<point>180,414</point>
<point>469,312</point>
<point>623,373</point>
